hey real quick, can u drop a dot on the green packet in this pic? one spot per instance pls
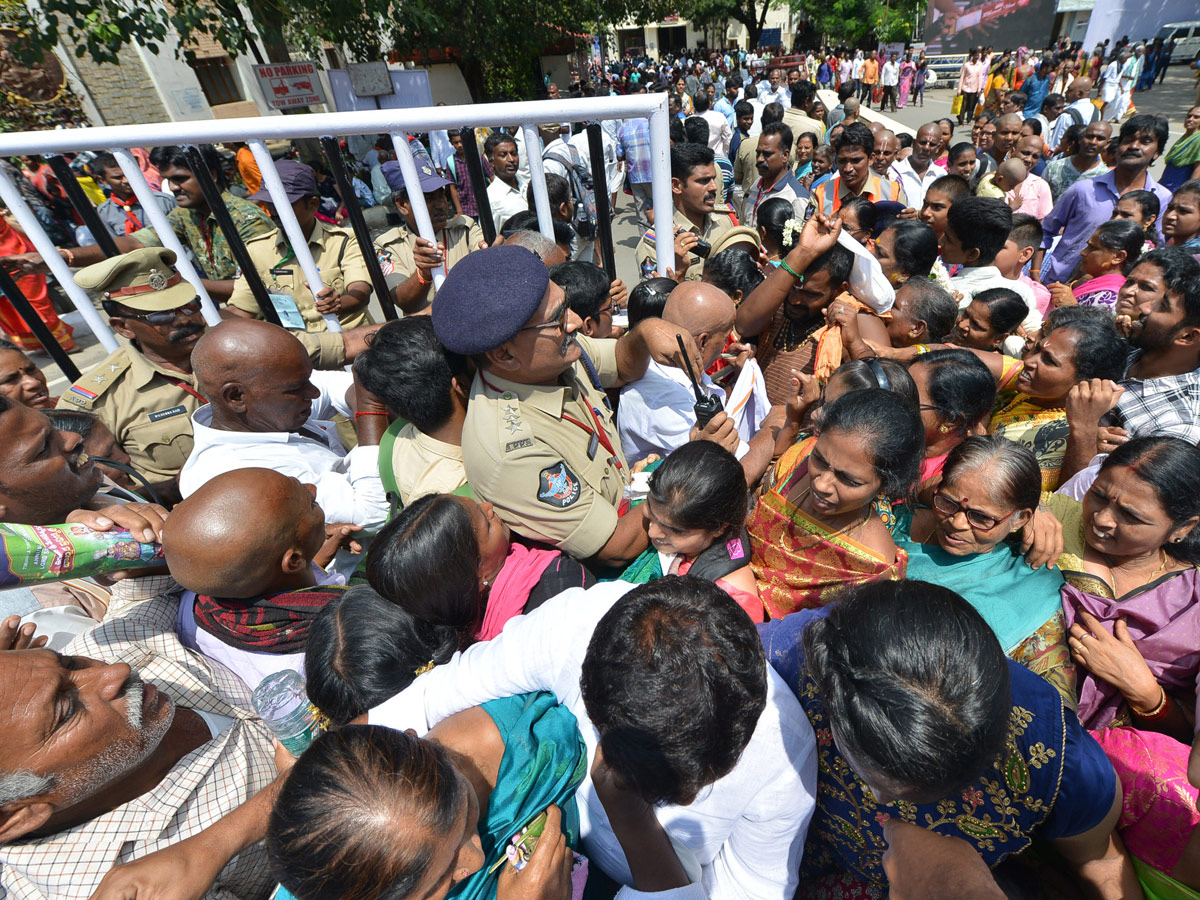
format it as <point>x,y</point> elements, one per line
<point>32,554</point>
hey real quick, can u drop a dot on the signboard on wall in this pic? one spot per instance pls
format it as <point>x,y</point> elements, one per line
<point>290,85</point>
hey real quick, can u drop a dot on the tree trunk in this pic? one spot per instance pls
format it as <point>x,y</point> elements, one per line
<point>472,72</point>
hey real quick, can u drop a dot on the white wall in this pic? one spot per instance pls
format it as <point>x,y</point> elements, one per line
<point>1113,18</point>
<point>447,84</point>
<point>176,83</point>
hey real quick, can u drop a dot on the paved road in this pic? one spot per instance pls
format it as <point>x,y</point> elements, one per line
<point>1171,99</point>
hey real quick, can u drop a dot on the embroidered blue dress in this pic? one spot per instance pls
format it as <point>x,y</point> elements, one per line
<point>1051,779</point>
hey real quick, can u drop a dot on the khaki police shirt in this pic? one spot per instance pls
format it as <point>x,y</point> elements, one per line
<point>336,254</point>
<point>715,225</point>
<point>395,247</point>
<point>547,478</point>
<point>148,411</point>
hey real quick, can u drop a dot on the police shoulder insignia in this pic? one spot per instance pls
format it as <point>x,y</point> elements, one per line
<point>558,486</point>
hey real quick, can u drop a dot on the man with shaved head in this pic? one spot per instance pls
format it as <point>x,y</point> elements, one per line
<point>657,412</point>
<point>243,548</point>
<point>1008,132</point>
<point>887,145</point>
<point>268,408</point>
<point>1080,110</point>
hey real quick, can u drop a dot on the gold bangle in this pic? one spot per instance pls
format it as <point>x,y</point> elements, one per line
<point>1158,712</point>
<point>921,349</point>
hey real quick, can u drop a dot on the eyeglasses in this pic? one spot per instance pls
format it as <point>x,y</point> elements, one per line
<point>980,521</point>
<point>166,316</point>
<point>560,322</point>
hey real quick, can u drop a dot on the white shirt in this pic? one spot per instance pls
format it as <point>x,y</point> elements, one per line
<point>889,74</point>
<point>970,282</point>
<point>348,485</point>
<point>506,200</point>
<point>612,165</point>
<point>1087,113</point>
<point>1112,85</point>
<point>656,413</point>
<point>856,68</point>
<point>746,830</point>
<point>914,185</point>
<point>719,132</point>
<point>779,95</point>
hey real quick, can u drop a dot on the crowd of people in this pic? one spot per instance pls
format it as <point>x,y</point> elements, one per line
<point>855,557</point>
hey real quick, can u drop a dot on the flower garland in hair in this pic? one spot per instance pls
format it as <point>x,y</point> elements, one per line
<point>791,232</point>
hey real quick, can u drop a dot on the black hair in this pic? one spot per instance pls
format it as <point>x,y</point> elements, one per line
<point>864,210</point>
<point>887,425</point>
<point>426,561</point>
<point>678,135</point>
<point>494,140</point>
<point>955,152</point>
<point>1123,234</point>
<point>933,305</point>
<point>586,286</point>
<point>887,374</point>
<point>406,367</point>
<point>1100,351</point>
<point>812,139</point>
<point>696,131</point>
<point>1073,135</point>
<point>1014,479</point>
<point>981,223</point>
<point>1189,187</point>
<point>960,386</point>
<point>564,234</point>
<point>1026,231</point>
<point>649,298</point>
<point>1150,206</point>
<point>803,93</point>
<point>700,101</point>
<point>674,680</point>
<point>772,112</point>
<point>856,134</point>
<point>905,139</point>
<point>102,161</point>
<point>325,843</point>
<point>558,191</point>
<point>1181,275</point>
<point>773,215</point>
<point>837,260</point>
<point>1020,98</point>
<point>1171,466</point>
<point>363,650</point>
<point>1035,125</point>
<point>915,247</point>
<point>1052,100</point>
<point>734,269</point>
<point>686,157</point>
<point>175,157</point>
<point>1006,309</point>
<point>9,345</point>
<point>778,129</point>
<point>734,81</point>
<point>1156,125</point>
<point>953,186</point>
<point>742,108</point>
<point>845,92</point>
<point>701,486</point>
<point>914,682</point>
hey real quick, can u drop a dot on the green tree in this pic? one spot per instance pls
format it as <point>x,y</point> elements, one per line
<point>853,21</point>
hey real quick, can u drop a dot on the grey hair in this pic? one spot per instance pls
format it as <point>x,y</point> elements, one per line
<point>932,305</point>
<point>17,786</point>
<point>1014,476</point>
<point>534,241</point>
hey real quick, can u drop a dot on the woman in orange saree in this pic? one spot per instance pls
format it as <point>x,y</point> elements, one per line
<point>34,288</point>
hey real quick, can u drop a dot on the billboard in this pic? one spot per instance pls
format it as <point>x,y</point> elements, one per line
<point>956,27</point>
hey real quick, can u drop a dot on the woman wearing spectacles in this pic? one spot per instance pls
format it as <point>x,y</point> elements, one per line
<point>990,488</point>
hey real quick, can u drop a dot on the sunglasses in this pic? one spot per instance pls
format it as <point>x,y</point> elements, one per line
<point>166,316</point>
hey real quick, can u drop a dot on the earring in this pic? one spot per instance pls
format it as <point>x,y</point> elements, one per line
<point>944,429</point>
<point>1177,540</point>
<point>487,584</point>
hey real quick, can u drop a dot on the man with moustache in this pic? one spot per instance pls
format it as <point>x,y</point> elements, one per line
<point>145,392</point>
<point>539,441</point>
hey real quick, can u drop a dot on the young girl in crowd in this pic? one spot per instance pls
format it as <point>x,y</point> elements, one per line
<point>450,561</point>
<point>1181,221</point>
<point>817,528</point>
<point>989,318</point>
<point>1105,261</point>
<point>1141,207</point>
<point>962,160</point>
<point>696,512</point>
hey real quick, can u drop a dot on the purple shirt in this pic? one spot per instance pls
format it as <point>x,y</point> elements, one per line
<point>1082,208</point>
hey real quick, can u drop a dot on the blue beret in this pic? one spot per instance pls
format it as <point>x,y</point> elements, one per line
<point>487,297</point>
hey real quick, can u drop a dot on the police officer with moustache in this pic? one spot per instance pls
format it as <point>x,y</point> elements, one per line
<point>540,440</point>
<point>145,392</point>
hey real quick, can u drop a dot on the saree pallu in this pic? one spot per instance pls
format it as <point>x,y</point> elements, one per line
<point>34,288</point>
<point>797,561</point>
<point>1158,814</point>
<point>1043,431</point>
<point>1099,292</point>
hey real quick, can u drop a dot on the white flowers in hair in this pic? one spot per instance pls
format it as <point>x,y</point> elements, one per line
<point>791,232</point>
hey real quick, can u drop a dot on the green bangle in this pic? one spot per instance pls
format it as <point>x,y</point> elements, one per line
<point>783,265</point>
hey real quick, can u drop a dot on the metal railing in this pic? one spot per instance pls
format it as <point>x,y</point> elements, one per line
<point>398,123</point>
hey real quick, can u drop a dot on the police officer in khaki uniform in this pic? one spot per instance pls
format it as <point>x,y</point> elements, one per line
<point>145,392</point>
<point>408,260</point>
<point>539,441</point>
<point>335,251</point>
<point>694,191</point>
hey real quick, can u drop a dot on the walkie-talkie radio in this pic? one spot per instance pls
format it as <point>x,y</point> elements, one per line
<point>707,405</point>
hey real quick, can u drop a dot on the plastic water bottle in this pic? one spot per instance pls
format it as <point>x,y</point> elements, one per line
<point>281,702</point>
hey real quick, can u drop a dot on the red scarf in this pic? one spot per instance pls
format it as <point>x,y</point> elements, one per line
<point>273,623</point>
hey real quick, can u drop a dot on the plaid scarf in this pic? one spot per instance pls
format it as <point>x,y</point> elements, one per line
<point>273,623</point>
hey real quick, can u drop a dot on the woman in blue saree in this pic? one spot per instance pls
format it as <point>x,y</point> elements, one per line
<point>990,488</point>
<point>919,717</point>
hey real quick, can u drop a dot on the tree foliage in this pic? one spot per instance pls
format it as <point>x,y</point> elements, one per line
<point>853,21</point>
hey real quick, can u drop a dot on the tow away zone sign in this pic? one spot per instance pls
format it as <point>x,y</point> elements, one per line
<point>290,85</point>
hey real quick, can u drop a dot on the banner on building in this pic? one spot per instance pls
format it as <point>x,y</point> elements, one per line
<point>290,85</point>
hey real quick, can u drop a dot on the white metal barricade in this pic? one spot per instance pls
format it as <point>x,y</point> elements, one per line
<point>257,131</point>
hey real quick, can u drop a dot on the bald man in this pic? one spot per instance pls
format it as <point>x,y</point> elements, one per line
<point>657,412</point>
<point>887,145</point>
<point>268,408</point>
<point>243,548</point>
<point>1080,110</point>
